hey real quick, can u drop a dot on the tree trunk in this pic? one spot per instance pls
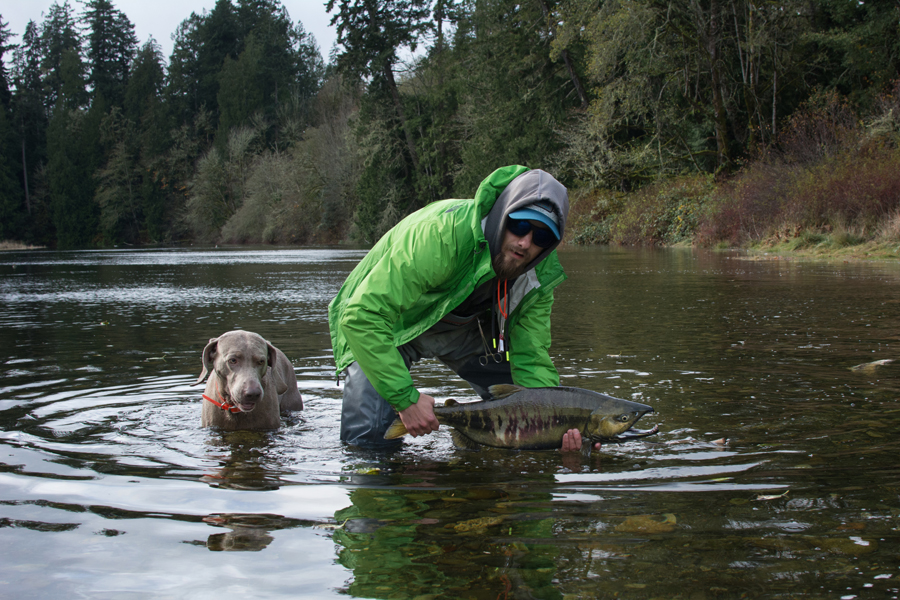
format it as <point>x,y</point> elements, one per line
<point>576,81</point>
<point>25,179</point>
<point>723,156</point>
<point>774,93</point>
<point>388,72</point>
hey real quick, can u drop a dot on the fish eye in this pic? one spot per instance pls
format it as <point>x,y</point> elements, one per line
<point>623,418</point>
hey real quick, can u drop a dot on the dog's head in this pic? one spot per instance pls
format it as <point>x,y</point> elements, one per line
<point>239,360</point>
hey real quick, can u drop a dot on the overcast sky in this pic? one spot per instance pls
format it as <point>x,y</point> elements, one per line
<point>160,18</point>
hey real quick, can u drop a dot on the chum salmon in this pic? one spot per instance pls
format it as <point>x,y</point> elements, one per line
<point>536,418</point>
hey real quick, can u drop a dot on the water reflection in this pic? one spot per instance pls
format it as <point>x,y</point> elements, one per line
<point>774,472</point>
<point>464,542</point>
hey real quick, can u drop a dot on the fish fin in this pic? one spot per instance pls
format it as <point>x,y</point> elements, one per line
<point>502,390</point>
<point>461,441</point>
<point>450,402</point>
<point>396,430</point>
<point>587,445</point>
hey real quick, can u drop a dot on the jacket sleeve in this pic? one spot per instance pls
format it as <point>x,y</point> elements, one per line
<point>530,346</point>
<point>420,262</point>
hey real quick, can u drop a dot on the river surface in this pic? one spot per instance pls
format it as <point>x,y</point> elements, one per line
<point>775,473</point>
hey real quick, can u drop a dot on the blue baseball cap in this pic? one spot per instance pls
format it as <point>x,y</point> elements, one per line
<point>539,211</point>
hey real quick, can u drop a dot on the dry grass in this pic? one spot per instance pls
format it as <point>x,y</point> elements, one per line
<point>11,245</point>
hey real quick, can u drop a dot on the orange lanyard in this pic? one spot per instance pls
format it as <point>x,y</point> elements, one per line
<point>502,307</point>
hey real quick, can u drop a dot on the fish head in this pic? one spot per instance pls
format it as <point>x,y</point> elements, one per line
<point>609,422</point>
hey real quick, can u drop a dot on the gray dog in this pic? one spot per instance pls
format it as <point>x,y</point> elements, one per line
<point>251,383</point>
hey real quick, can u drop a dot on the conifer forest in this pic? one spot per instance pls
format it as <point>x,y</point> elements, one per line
<point>708,121</point>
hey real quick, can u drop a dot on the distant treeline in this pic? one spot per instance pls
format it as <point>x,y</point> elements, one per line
<point>245,135</point>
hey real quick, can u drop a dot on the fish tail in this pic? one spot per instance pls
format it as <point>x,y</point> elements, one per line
<point>396,430</point>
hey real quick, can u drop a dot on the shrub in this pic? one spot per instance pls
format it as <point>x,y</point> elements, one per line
<point>665,213</point>
<point>822,126</point>
<point>860,189</point>
<point>827,175</point>
<point>591,216</point>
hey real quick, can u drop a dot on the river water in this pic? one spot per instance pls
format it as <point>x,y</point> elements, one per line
<point>775,473</point>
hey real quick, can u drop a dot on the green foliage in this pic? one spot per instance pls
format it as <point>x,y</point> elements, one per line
<point>303,195</point>
<point>512,96</point>
<point>70,167</point>
<point>12,213</point>
<point>385,189</point>
<point>251,49</point>
<point>118,189</point>
<point>240,87</point>
<point>12,205</point>
<point>373,31</point>
<point>219,188</point>
<point>111,45</point>
<point>60,45</point>
<point>634,104</point>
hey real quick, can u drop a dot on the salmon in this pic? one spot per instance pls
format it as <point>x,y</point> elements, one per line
<point>536,418</point>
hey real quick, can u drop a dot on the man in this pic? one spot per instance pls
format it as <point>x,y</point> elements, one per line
<point>469,282</point>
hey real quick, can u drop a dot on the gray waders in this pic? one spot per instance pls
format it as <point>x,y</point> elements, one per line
<point>365,415</point>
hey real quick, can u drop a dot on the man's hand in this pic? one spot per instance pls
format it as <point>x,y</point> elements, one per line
<point>571,441</point>
<point>419,418</point>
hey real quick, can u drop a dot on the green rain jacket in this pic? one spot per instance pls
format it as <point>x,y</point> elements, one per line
<point>419,272</point>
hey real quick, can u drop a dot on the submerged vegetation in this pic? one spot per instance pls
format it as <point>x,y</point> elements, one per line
<point>720,123</point>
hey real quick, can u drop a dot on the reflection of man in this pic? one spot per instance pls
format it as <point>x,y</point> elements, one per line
<point>469,282</point>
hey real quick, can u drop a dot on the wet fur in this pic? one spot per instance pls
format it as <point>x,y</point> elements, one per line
<point>248,372</point>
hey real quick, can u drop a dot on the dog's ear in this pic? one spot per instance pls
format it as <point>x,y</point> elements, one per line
<point>207,358</point>
<point>273,356</point>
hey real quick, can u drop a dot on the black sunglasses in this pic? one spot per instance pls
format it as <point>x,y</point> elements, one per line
<point>543,238</point>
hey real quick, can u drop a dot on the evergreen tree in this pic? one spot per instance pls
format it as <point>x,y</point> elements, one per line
<point>130,183</point>
<point>241,87</point>
<point>220,36</point>
<point>513,96</point>
<point>119,186</point>
<point>72,141</point>
<point>70,179</point>
<point>60,42</point>
<point>111,46</point>
<point>143,97</point>
<point>182,91</point>
<point>30,116</point>
<point>310,73</point>
<point>373,32</point>
<point>12,211</point>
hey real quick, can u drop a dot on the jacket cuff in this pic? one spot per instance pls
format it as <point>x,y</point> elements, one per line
<point>405,403</point>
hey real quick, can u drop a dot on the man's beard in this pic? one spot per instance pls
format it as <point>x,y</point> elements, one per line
<point>506,271</point>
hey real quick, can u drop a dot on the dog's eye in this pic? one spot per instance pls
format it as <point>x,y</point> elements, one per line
<point>232,361</point>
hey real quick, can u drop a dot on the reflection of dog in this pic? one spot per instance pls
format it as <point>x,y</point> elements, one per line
<point>249,533</point>
<point>251,382</point>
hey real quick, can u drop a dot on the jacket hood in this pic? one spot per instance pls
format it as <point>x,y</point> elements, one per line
<point>527,188</point>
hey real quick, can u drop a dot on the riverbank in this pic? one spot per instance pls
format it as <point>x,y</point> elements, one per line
<point>829,189</point>
<point>794,243</point>
<point>825,250</point>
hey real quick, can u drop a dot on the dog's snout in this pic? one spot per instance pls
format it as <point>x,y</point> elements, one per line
<point>252,392</point>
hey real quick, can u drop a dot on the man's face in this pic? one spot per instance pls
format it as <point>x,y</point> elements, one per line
<point>516,253</point>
